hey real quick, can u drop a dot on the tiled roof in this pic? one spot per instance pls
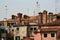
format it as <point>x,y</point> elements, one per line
<point>56,22</point>
<point>57,14</point>
<point>31,18</point>
<point>10,20</point>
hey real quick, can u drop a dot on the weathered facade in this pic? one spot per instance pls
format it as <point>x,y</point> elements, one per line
<point>44,26</point>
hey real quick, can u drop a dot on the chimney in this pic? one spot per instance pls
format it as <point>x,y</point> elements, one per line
<point>26,18</point>
<point>50,17</point>
<point>40,18</point>
<point>20,17</point>
<point>13,16</point>
<point>44,18</point>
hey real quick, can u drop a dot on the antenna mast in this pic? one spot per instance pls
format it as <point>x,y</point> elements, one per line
<point>38,6</point>
<point>56,6</point>
<point>6,12</point>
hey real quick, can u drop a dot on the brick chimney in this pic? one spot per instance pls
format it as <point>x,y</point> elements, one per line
<point>20,17</point>
<point>40,18</point>
<point>25,16</point>
<point>44,18</point>
<point>50,17</point>
<point>13,16</point>
<point>26,19</point>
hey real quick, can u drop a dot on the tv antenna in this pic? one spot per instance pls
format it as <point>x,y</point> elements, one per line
<point>5,12</point>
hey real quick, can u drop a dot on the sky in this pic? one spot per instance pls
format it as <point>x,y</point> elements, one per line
<point>26,7</point>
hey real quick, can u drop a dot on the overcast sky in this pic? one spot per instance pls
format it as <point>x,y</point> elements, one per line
<point>16,6</point>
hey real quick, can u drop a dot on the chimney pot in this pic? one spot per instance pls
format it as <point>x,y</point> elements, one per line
<point>50,13</point>
<point>39,13</point>
<point>20,17</point>
<point>19,14</point>
<point>13,16</point>
<point>25,16</point>
<point>40,18</point>
<point>45,11</point>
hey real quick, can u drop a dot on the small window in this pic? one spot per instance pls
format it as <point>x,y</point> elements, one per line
<point>52,35</point>
<point>17,29</point>
<point>31,28</point>
<point>11,23</point>
<point>34,28</point>
<point>12,30</point>
<point>45,35</point>
<point>1,24</point>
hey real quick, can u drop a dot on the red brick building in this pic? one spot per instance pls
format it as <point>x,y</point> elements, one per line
<point>44,26</point>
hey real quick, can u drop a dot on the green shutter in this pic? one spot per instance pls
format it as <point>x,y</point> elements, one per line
<point>17,37</point>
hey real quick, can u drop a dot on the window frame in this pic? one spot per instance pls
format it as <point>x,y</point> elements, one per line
<point>17,28</point>
<point>31,29</point>
<point>45,35</point>
<point>17,37</point>
<point>11,23</point>
<point>52,34</point>
<point>34,28</point>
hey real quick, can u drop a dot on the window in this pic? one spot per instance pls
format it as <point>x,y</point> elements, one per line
<point>2,24</point>
<point>17,37</point>
<point>58,17</point>
<point>17,29</point>
<point>31,28</point>
<point>45,35</point>
<point>11,23</point>
<point>12,30</point>
<point>52,35</point>
<point>34,28</point>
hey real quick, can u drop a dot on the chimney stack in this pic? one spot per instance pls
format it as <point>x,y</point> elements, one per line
<point>26,18</point>
<point>13,16</point>
<point>40,18</point>
<point>20,17</point>
<point>44,19</point>
<point>50,17</point>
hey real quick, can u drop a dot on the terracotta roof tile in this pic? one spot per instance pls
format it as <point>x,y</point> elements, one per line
<point>56,22</point>
<point>57,14</point>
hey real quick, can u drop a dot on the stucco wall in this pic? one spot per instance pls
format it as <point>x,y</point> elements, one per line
<point>37,36</point>
<point>22,31</point>
<point>48,37</point>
